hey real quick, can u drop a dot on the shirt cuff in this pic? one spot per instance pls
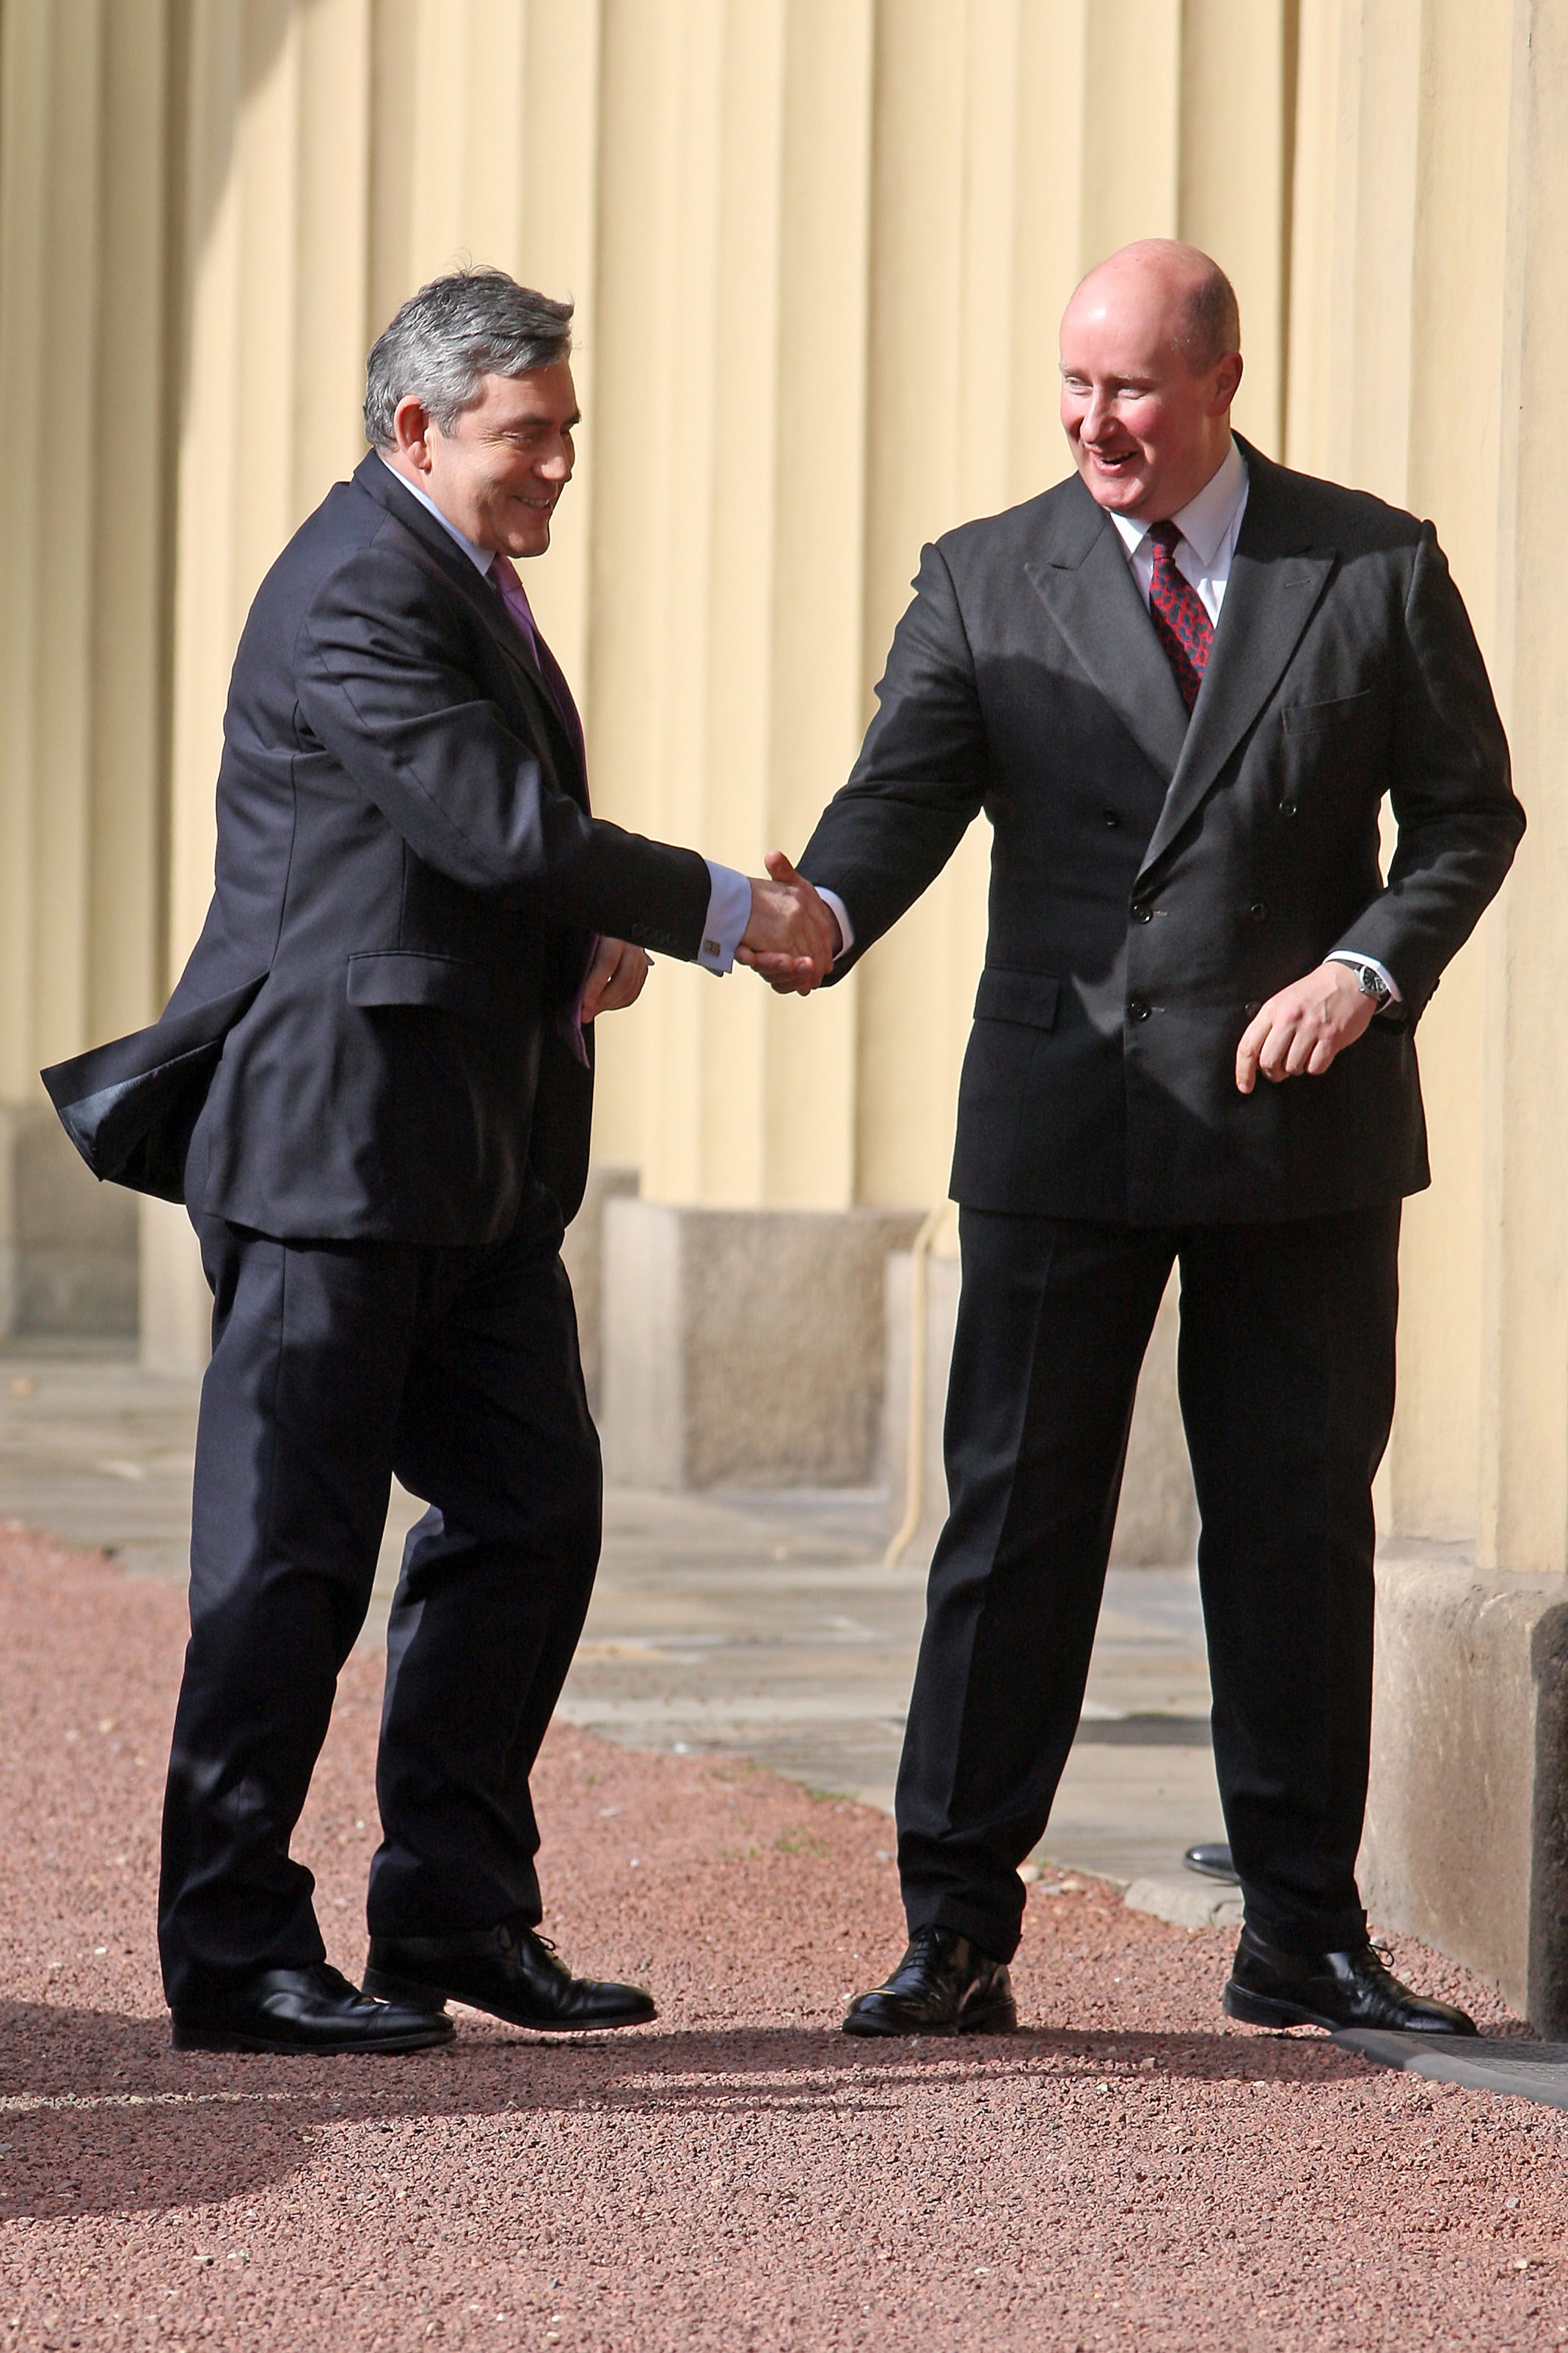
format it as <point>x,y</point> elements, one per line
<point>1355,956</point>
<point>728,912</point>
<point>840,914</point>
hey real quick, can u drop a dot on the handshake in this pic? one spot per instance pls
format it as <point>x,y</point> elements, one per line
<point>793,936</point>
<point>790,939</point>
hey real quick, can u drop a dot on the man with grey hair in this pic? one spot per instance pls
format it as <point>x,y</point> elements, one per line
<point>372,1087</point>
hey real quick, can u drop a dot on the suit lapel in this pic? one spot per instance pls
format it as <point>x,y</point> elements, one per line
<point>1088,588</point>
<point>377,480</point>
<point>1275,586</point>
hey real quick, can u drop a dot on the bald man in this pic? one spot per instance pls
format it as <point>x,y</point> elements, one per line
<point>1180,686</point>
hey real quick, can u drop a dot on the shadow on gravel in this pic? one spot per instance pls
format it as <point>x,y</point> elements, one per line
<point>98,2115</point>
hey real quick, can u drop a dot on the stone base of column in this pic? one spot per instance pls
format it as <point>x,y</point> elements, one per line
<point>583,1255</point>
<point>176,1305</point>
<point>67,1244</point>
<point>1157,1523</point>
<point>1466,1834</point>
<point>744,1347</point>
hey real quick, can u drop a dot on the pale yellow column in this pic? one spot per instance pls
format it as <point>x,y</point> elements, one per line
<point>815,686</point>
<point>1237,129</point>
<point>82,325</point>
<point>1524,1367</point>
<point>916,986</point>
<point>1456,473</point>
<point>725,687</point>
<point>1397,360</point>
<point>276,268</point>
<point>85,322</point>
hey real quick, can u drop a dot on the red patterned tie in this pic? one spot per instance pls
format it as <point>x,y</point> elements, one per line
<point>1176,609</point>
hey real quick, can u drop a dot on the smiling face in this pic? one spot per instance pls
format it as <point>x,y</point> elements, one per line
<point>500,471</point>
<point>1146,429</point>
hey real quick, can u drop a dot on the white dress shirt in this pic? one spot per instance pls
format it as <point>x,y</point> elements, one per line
<point>730,891</point>
<point>1210,525</point>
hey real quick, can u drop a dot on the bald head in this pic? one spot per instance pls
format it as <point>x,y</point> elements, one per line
<point>1151,362</point>
<point>1193,297</point>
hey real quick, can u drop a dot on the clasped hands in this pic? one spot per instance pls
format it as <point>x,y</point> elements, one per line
<point>793,936</point>
<point>791,940</point>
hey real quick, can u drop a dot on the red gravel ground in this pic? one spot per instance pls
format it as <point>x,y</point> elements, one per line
<point>1129,2172</point>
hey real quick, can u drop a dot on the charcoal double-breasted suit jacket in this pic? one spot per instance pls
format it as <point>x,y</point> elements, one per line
<point>365,1043</point>
<point>1154,880</point>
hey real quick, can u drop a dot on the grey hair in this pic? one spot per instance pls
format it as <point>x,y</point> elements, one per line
<point>449,336</point>
<point>1214,321</point>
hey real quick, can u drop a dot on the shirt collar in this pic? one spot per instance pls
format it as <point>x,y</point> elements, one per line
<point>481,558</point>
<point>1204,521</point>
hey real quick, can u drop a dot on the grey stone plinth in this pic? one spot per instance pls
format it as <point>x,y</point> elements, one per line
<point>1466,1836</point>
<point>743,1348</point>
<point>176,1305</point>
<point>67,1244</point>
<point>583,1254</point>
<point>1156,1525</point>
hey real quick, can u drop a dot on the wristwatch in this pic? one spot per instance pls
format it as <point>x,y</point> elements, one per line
<point>1371,981</point>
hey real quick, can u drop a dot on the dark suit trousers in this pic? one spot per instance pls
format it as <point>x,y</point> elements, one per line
<point>333,1365</point>
<point>1286,1373</point>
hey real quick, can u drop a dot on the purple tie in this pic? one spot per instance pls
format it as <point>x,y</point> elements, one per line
<point>514,597</point>
<point>1181,622</point>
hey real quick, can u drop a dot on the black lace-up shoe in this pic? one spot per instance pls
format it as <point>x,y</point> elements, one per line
<point>299,2011</point>
<point>508,1971</point>
<point>943,1984</point>
<point>1333,1989</point>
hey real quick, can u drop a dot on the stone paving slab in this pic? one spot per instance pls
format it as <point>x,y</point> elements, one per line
<point>1527,2071</point>
<point>733,1622</point>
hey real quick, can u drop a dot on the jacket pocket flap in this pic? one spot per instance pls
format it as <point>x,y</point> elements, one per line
<point>1028,997</point>
<point>406,976</point>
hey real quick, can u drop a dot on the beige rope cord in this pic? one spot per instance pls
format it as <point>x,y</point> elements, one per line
<point>915,1449</point>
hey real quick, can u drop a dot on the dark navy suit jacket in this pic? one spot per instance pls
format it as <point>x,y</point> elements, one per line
<point>1153,880</point>
<point>364,1043</point>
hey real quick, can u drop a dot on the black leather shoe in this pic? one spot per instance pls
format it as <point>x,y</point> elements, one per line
<point>309,2009</point>
<point>1271,1988</point>
<point>508,1971</point>
<point>1212,1862</point>
<point>943,1984</point>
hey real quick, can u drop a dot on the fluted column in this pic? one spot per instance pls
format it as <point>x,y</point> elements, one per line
<point>1524,1177</point>
<point>275,240</point>
<point>1398,376</point>
<point>725,678</point>
<point>83,326</point>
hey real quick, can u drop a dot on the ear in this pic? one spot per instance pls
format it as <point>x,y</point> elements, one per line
<point>412,424</point>
<point>1227,382</point>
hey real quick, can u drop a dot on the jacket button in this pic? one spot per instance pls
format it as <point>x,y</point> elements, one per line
<point>1257,912</point>
<point>1136,1009</point>
<point>1141,912</point>
<point>1110,818</point>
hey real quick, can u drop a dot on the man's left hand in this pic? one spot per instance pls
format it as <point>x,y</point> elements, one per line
<point>615,977</point>
<point>1304,1027</point>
